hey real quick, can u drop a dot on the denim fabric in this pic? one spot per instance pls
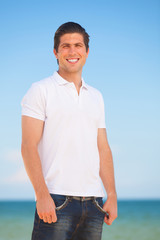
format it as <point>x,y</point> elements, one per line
<point>76,220</point>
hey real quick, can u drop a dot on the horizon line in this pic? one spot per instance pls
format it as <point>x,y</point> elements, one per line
<point>119,199</point>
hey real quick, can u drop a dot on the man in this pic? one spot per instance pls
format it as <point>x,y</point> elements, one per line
<point>65,147</point>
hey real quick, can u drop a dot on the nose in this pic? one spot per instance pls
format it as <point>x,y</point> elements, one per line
<point>71,50</point>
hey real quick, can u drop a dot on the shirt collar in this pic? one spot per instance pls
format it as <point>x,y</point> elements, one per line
<point>62,81</point>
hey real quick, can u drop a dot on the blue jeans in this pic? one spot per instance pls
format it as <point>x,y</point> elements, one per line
<point>76,220</point>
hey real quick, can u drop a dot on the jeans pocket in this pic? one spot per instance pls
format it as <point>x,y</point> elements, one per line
<point>63,205</point>
<point>96,203</point>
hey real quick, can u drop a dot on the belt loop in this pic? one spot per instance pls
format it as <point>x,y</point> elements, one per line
<point>69,198</point>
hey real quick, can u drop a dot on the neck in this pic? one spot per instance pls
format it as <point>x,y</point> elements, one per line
<point>76,78</point>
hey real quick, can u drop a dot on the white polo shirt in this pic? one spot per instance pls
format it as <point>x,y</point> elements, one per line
<point>68,147</point>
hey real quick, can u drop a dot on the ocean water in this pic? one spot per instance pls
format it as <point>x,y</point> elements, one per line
<point>137,220</point>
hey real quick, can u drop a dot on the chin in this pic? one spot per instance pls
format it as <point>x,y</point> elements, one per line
<point>73,70</point>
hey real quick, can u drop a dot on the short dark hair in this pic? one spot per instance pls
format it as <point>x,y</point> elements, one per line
<point>70,27</point>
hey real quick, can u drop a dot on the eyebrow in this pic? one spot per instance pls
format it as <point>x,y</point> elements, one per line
<point>78,43</point>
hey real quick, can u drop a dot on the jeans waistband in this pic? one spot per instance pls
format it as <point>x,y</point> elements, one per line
<point>81,198</point>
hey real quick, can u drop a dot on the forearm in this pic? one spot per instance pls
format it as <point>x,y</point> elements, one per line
<point>107,171</point>
<point>32,131</point>
<point>34,169</point>
<point>107,176</point>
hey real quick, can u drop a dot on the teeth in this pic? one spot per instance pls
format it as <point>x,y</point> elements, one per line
<point>72,60</point>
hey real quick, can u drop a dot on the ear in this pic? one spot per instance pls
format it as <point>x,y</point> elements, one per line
<point>87,52</point>
<point>55,53</point>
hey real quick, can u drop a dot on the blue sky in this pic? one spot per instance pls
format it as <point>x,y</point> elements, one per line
<point>124,64</point>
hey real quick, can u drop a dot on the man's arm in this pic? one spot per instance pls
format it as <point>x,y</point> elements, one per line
<point>32,130</point>
<point>107,176</point>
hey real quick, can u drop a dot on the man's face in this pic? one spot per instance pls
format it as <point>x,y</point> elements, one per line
<point>71,53</point>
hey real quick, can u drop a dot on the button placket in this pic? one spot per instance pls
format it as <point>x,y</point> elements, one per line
<point>76,94</point>
<point>77,97</point>
<point>81,93</point>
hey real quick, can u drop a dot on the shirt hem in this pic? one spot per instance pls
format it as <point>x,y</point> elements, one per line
<point>79,194</point>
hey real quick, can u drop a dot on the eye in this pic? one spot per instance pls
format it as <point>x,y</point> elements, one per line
<point>65,46</point>
<point>79,45</point>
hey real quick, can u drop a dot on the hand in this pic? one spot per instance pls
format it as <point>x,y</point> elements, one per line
<point>110,206</point>
<point>46,209</point>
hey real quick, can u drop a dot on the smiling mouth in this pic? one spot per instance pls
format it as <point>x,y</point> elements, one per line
<point>73,60</point>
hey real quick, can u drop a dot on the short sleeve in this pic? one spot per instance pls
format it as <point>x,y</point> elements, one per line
<point>33,103</point>
<point>101,122</point>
